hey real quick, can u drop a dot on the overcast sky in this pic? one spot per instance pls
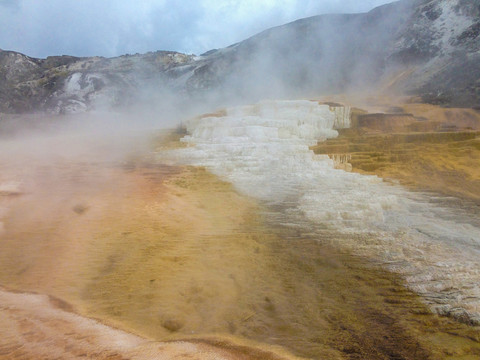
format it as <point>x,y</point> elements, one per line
<point>40,28</point>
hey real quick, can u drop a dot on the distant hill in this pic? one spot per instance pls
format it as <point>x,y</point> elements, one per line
<point>425,48</point>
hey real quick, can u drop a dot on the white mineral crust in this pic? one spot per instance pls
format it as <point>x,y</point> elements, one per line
<point>263,150</point>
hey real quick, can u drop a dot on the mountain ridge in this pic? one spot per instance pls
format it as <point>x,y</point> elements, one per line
<point>424,48</point>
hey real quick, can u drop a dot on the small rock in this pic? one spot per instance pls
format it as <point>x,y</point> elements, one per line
<point>172,325</point>
<point>80,209</point>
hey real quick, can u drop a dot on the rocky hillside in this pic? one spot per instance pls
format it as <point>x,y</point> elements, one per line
<point>428,48</point>
<point>67,84</point>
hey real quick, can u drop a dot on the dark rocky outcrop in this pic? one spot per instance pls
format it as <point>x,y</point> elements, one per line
<point>67,84</point>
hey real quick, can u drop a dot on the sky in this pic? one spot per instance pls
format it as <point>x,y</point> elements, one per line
<point>41,28</point>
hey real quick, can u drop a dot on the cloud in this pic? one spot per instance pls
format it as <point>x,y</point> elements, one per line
<point>9,3</point>
<point>115,27</point>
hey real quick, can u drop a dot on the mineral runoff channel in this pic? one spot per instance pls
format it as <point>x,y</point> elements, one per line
<point>135,258</point>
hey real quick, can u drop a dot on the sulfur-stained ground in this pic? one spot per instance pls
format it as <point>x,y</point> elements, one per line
<point>424,147</point>
<point>172,253</point>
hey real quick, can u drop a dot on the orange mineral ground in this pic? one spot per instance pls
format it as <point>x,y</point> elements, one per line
<point>421,146</point>
<point>127,257</point>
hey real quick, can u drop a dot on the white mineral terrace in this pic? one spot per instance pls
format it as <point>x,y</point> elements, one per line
<point>263,150</point>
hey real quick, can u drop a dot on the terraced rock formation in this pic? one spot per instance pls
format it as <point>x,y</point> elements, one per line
<point>424,147</point>
<point>264,151</point>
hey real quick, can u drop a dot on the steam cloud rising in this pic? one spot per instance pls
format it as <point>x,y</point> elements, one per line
<point>112,28</point>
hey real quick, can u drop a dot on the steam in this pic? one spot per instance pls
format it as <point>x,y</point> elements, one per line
<point>113,28</point>
<point>321,55</point>
<point>56,157</point>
